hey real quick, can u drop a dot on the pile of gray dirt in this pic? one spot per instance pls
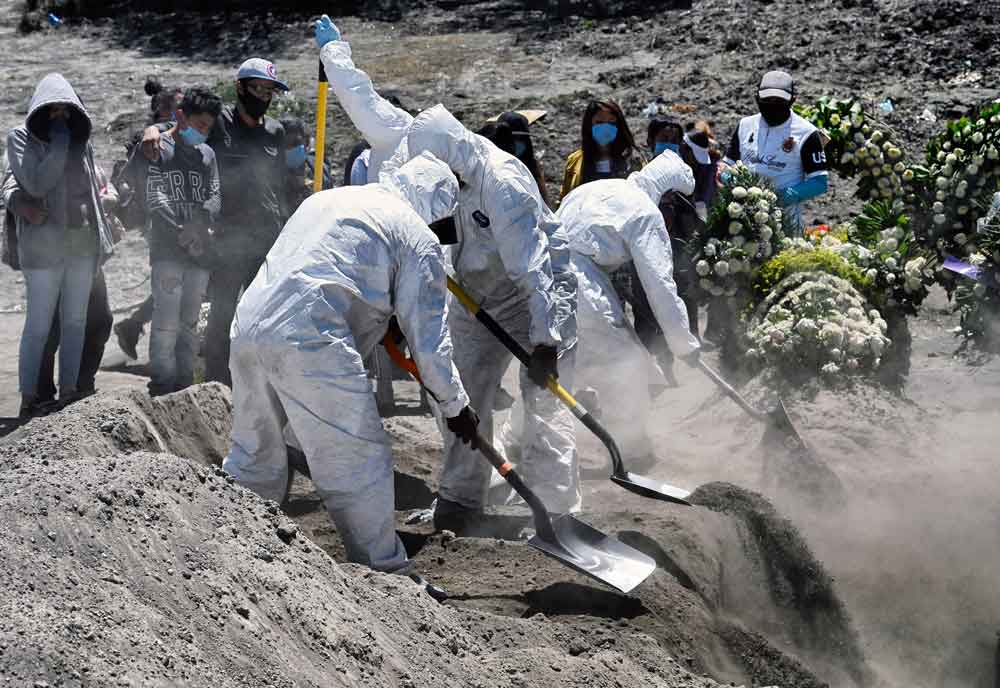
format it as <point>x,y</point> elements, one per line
<point>123,564</point>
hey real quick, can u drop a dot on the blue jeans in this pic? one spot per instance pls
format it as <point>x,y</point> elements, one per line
<point>66,287</point>
<point>178,291</point>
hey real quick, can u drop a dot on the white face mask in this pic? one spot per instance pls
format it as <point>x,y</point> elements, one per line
<point>602,166</point>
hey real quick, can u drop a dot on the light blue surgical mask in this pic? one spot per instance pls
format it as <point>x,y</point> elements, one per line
<point>520,148</point>
<point>604,133</point>
<point>295,157</point>
<point>193,137</point>
<point>661,146</point>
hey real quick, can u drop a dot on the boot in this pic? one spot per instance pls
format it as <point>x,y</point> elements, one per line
<point>128,332</point>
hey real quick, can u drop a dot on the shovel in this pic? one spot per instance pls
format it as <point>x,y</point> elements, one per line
<point>564,538</point>
<point>638,484</point>
<point>322,87</point>
<point>778,420</point>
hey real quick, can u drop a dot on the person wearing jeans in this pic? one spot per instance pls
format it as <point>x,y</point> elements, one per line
<point>178,290</point>
<point>63,233</point>
<point>182,197</point>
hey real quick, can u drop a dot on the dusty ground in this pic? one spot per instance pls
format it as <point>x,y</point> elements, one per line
<point>913,548</point>
<point>141,561</point>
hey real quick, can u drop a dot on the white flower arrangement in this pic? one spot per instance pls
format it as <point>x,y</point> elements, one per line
<point>815,321</point>
<point>743,231</point>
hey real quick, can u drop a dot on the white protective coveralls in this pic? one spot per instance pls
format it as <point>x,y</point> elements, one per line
<point>346,261</point>
<point>610,222</point>
<point>513,259</point>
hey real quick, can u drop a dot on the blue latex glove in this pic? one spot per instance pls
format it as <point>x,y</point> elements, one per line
<point>804,190</point>
<point>326,31</point>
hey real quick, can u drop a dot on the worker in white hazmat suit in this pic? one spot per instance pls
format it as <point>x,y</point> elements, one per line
<point>344,264</point>
<point>513,259</point>
<point>609,223</point>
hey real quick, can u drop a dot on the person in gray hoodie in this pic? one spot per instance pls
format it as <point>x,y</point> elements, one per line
<point>68,234</point>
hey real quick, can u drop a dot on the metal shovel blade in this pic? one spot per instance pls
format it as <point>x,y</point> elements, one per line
<point>782,422</point>
<point>647,487</point>
<point>595,554</point>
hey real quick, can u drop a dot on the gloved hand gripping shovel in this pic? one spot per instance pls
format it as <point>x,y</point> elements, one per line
<point>638,484</point>
<point>777,419</point>
<point>564,538</point>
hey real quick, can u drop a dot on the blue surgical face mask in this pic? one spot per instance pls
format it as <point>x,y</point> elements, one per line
<point>193,137</point>
<point>604,133</point>
<point>520,148</point>
<point>661,146</point>
<point>295,157</point>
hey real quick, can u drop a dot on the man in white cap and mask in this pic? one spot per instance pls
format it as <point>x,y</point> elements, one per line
<point>782,146</point>
<point>250,149</point>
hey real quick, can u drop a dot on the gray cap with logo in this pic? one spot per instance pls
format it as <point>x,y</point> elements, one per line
<point>776,84</point>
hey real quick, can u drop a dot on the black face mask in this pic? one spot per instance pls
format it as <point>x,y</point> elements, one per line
<point>775,112</point>
<point>254,106</point>
<point>445,230</point>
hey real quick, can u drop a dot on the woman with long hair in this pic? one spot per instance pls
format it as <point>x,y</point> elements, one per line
<point>607,150</point>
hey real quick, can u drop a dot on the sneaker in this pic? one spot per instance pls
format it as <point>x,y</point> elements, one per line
<point>436,592</point>
<point>128,333</point>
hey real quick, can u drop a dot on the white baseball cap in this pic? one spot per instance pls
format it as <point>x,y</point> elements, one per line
<point>776,84</point>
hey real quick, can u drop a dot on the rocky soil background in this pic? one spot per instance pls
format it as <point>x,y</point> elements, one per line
<point>911,545</point>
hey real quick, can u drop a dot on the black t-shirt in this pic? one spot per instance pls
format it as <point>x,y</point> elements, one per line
<point>254,180</point>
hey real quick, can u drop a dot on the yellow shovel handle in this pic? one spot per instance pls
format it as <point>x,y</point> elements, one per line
<point>321,97</point>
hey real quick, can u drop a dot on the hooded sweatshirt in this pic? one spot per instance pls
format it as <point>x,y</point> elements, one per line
<point>55,164</point>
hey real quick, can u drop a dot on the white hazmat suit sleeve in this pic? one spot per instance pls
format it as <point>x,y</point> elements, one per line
<point>421,284</point>
<point>649,243</point>
<point>381,123</point>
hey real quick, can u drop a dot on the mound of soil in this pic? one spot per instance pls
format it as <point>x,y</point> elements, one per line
<point>141,561</point>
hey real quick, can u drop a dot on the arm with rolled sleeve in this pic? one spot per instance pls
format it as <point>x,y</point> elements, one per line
<point>38,167</point>
<point>524,250</point>
<point>421,287</point>
<point>381,123</point>
<point>649,244</point>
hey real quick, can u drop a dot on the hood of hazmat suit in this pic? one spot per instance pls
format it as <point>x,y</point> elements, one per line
<point>381,123</point>
<point>610,222</point>
<point>511,250</point>
<point>346,261</point>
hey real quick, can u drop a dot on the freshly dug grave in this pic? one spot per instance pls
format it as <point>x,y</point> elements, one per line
<point>139,562</point>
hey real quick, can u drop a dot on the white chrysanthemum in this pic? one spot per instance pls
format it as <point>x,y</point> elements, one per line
<point>739,193</point>
<point>735,210</point>
<point>735,228</point>
<point>940,219</point>
<point>890,262</point>
<point>776,336</point>
<point>766,233</point>
<point>761,217</point>
<point>977,259</point>
<point>739,241</point>
<point>877,345</point>
<point>942,183</point>
<point>703,268</point>
<point>961,239</point>
<point>710,250</point>
<point>872,274</point>
<point>722,268</point>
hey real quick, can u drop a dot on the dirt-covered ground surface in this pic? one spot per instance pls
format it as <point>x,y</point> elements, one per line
<point>165,580</point>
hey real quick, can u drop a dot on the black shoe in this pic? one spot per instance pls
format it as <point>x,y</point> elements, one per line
<point>128,333</point>
<point>438,593</point>
<point>449,515</point>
